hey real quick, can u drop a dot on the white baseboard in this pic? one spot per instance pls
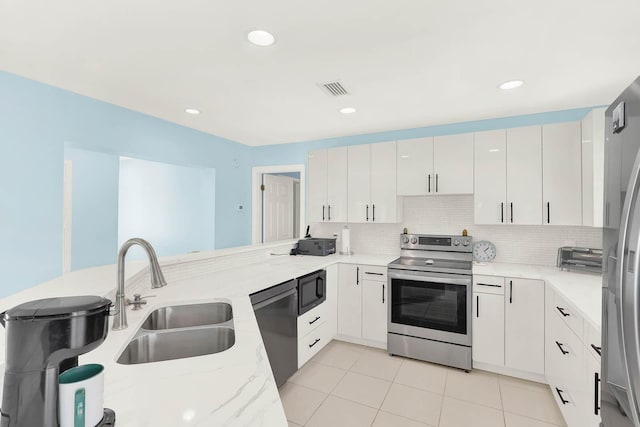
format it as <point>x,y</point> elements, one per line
<point>510,372</point>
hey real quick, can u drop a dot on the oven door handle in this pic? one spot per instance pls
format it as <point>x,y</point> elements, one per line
<point>431,279</point>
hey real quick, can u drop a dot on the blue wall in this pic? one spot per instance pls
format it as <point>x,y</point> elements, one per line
<point>36,120</point>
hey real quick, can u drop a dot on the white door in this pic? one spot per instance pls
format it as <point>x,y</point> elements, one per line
<point>562,173</point>
<point>415,167</point>
<point>374,310</point>
<point>488,329</point>
<point>332,299</point>
<point>383,183</point>
<point>593,167</point>
<point>278,207</point>
<point>490,177</point>
<point>359,183</point>
<point>317,185</point>
<point>524,325</point>
<point>453,164</point>
<point>349,301</point>
<point>524,175</point>
<point>337,159</point>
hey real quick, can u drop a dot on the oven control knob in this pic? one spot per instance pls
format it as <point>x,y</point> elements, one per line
<point>414,240</point>
<point>405,240</point>
<point>466,243</point>
<point>456,242</point>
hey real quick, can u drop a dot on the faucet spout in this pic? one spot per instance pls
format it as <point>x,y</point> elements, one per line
<point>157,279</point>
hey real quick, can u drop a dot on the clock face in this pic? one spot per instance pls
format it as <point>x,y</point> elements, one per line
<point>484,251</point>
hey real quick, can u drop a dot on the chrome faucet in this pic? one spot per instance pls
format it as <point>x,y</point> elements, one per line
<point>157,279</point>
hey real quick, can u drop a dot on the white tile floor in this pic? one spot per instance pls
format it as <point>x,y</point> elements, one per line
<point>346,385</point>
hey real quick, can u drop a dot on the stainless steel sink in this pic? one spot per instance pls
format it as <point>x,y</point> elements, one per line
<point>187,316</point>
<point>170,345</point>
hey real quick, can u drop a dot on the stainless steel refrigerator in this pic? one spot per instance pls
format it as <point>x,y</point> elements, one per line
<point>620,397</point>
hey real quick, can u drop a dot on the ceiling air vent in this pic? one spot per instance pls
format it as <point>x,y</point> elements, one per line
<point>334,88</point>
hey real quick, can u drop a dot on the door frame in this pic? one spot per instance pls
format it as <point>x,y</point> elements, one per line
<point>256,199</point>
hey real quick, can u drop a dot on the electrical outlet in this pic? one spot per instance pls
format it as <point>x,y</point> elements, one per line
<point>240,207</point>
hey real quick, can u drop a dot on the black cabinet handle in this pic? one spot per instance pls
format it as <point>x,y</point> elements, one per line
<point>383,294</point>
<point>511,207</point>
<point>367,212</point>
<point>561,310</point>
<point>429,183</point>
<point>323,212</point>
<point>561,348</point>
<point>562,399</point>
<point>436,183</point>
<point>315,342</point>
<point>510,291</point>
<point>548,213</point>
<point>501,212</point>
<point>477,305</point>
<point>374,212</point>
<point>597,349</point>
<point>374,274</point>
<point>357,275</point>
<point>486,284</point>
<point>329,212</point>
<point>596,397</point>
<point>314,320</point>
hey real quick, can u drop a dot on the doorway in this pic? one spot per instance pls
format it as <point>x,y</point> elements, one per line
<point>278,203</point>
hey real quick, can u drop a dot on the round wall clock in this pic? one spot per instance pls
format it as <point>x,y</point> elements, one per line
<point>484,251</point>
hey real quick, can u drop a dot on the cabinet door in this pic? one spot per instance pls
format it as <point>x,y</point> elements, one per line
<point>591,403</point>
<point>490,177</point>
<point>374,310</point>
<point>562,174</point>
<point>337,184</point>
<point>359,183</point>
<point>317,175</point>
<point>383,183</point>
<point>415,167</point>
<point>488,328</point>
<point>332,299</point>
<point>453,164</point>
<point>524,175</point>
<point>349,301</point>
<point>524,325</point>
<point>593,167</point>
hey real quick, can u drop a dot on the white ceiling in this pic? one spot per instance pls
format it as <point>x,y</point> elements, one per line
<point>408,63</point>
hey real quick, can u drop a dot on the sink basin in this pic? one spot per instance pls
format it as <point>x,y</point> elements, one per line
<point>170,345</point>
<point>187,316</point>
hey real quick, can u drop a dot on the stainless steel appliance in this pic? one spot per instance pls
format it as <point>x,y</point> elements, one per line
<point>276,310</point>
<point>311,290</point>
<point>580,259</point>
<point>318,246</point>
<point>44,338</point>
<point>620,400</point>
<point>430,293</point>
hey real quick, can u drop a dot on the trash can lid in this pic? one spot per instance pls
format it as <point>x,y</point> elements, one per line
<point>62,307</point>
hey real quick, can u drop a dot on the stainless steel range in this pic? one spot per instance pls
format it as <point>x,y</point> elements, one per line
<point>430,292</point>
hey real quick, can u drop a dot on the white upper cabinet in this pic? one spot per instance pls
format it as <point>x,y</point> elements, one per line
<point>490,177</point>
<point>372,183</point>
<point>593,168</point>
<point>337,184</point>
<point>562,173</point>
<point>453,164</point>
<point>317,176</point>
<point>415,167</point>
<point>524,176</point>
<point>359,183</point>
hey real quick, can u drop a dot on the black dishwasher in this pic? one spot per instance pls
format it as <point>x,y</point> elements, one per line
<point>276,310</point>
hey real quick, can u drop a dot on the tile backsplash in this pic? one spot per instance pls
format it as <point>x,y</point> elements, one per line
<point>526,244</point>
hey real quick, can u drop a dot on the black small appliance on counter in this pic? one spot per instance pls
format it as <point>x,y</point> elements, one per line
<point>318,246</point>
<point>43,339</point>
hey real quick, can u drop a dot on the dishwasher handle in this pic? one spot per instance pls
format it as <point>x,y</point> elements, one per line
<point>273,299</point>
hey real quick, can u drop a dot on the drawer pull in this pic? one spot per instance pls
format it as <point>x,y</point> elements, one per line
<point>561,349</point>
<point>315,342</point>
<point>314,320</point>
<point>597,349</point>
<point>489,285</point>
<point>596,398</point>
<point>561,310</point>
<point>375,274</point>
<point>562,399</point>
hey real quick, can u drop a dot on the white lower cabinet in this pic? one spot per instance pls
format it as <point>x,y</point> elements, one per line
<point>488,328</point>
<point>362,304</point>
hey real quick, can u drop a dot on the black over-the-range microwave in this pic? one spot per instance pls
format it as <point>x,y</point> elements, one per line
<point>311,290</point>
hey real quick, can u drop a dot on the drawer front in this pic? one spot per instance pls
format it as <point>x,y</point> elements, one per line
<point>312,319</point>
<point>373,272</point>
<point>312,343</point>
<point>592,339</point>
<point>488,284</point>
<point>569,314</point>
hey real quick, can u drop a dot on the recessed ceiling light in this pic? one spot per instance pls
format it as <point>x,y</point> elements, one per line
<point>192,111</point>
<point>511,84</point>
<point>347,110</point>
<point>261,38</point>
